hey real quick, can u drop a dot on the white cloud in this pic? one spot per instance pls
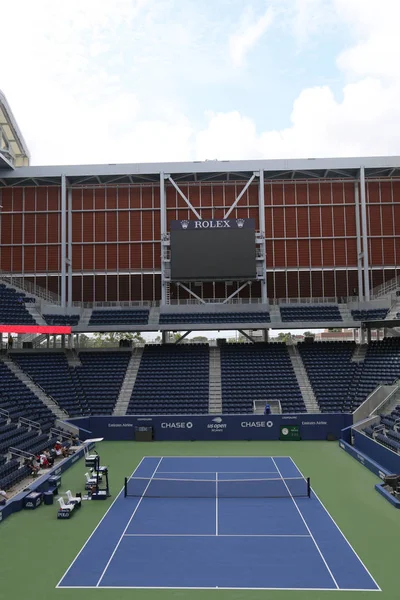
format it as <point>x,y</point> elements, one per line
<point>249,33</point>
<point>105,82</point>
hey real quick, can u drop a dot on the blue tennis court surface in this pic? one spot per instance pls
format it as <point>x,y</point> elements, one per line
<point>225,536</point>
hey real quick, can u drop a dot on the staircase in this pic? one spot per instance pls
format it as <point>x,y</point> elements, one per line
<point>73,358</point>
<point>125,393</point>
<point>359,353</point>
<point>302,379</point>
<point>275,313</point>
<point>154,315</point>
<point>215,392</point>
<point>345,313</point>
<point>31,308</point>
<point>47,400</point>
<point>85,317</point>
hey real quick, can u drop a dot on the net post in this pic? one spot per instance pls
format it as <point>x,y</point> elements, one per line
<point>126,487</point>
<point>308,487</point>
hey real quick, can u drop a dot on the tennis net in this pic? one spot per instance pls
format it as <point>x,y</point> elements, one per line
<point>277,487</point>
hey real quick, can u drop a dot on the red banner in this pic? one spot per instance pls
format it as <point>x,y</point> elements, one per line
<point>50,329</point>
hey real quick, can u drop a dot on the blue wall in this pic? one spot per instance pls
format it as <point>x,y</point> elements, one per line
<point>385,457</point>
<point>210,427</point>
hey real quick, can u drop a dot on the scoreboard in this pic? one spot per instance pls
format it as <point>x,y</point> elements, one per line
<point>213,250</point>
<point>290,432</point>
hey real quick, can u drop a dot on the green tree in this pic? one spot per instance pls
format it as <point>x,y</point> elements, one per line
<point>284,337</point>
<point>309,334</point>
<point>335,329</point>
<point>113,338</point>
<point>199,339</point>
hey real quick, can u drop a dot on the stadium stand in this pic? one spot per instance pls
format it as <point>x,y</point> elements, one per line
<point>374,314</point>
<point>311,313</point>
<point>381,366</point>
<point>12,307</point>
<point>119,317</point>
<point>71,320</point>
<point>218,317</point>
<point>53,374</point>
<point>258,372</point>
<point>92,388</point>
<point>17,401</point>
<point>172,380</point>
<point>386,432</point>
<point>331,372</point>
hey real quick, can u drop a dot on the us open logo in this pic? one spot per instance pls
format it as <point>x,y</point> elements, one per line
<point>217,424</point>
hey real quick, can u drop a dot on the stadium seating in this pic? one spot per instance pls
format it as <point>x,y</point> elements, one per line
<point>375,314</point>
<point>218,317</point>
<point>63,320</point>
<point>12,307</point>
<point>331,372</point>
<point>381,366</point>
<point>92,388</point>
<point>119,317</point>
<point>102,375</point>
<point>310,313</point>
<point>387,431</point>
<point>172,380</point>
<point>53,374</point>
<point>258,372</point>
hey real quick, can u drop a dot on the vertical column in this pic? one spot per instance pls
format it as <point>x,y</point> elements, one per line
<point>163,226</point>
<point>261,217</point>
<point>364,233</point>
<point>359,249</point>
<point>63,240</point>
<point>69,247</point>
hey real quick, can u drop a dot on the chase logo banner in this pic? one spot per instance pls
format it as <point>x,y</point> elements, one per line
<point>212,224</point>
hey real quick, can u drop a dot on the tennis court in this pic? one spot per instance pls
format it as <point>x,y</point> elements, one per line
<point>218,522</point>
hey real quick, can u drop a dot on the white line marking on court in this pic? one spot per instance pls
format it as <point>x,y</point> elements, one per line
<point>256,535</point>
<point>308,529</point>
<point>138,587</point>
<point>96,528</point>
<point>216,503</point>
<point>213,472</point>
<point>129,522</point>
<point>337,527</point>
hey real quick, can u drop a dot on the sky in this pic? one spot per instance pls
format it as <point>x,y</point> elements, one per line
<point>119,81</point>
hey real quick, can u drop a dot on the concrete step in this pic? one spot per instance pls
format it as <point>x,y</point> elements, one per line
<point>125,393</point>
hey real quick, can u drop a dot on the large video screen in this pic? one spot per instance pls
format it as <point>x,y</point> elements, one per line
<point>214,250</point>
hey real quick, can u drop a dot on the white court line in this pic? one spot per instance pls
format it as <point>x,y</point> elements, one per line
<point>308,529</point>
<point>283,589</point>
<point>255,535</point>
<point>203,457</point>
<point>338,528</point>
<point>129,522</point>
<point>216,503</point>
<point>96,528</point>
<point>213,472</point>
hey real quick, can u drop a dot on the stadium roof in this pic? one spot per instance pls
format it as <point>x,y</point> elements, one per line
<point>13,149</point>
<point>294,169</point>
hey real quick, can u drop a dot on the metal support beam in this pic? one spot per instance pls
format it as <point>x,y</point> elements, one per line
<point>182,337</point>
<point>69,247</point>
<point>246,336</point>
<point>63,241</point>
<point>244,190</point>
<point>190,292</point>
<point>364,233</point>
<point>184,197</point>
<point>163,227</point>
<point>236,292</point>
<point>261,218</point>
<point>359,248</point>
